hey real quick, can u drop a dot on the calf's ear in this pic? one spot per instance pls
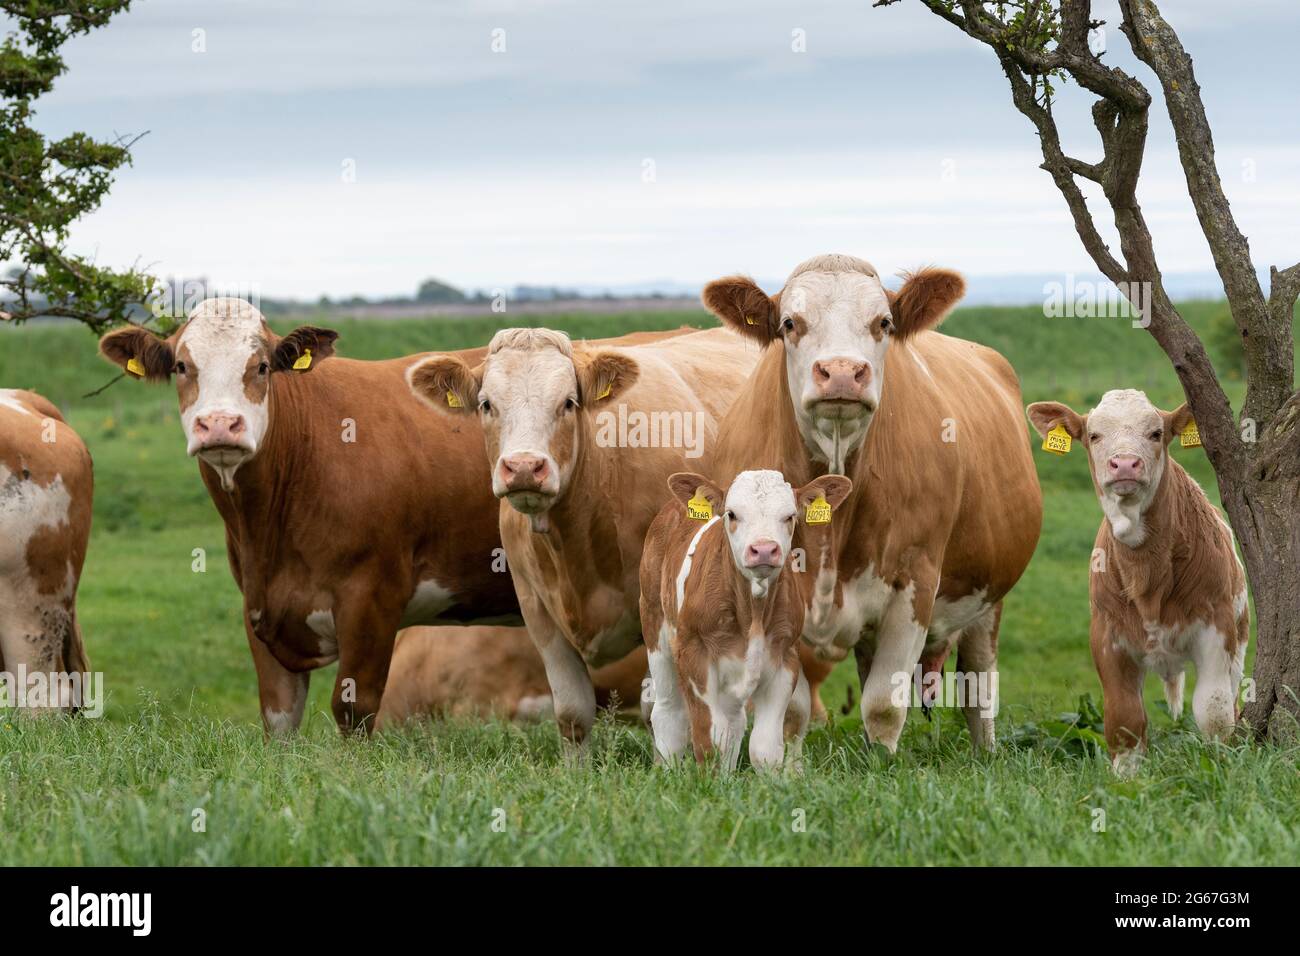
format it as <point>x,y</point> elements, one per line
<point>446,383</point>
<point>743,307</point>
<point>1176,421</point>
<point>685,485</point>
<point>926,296</point>
<point>604,376</point>
<point>1045,416</point>
<point>302,348</point>
<point>139,352</point>
<point>835,487</point>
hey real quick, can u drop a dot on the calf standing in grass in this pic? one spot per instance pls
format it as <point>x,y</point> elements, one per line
<point>720,620</point>
<point>1166,586</point>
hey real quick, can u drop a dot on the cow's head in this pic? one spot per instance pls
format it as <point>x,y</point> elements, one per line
<point>531,395</point>
<point>759,511</point>
<point>835,321</point>
<point>1127,439</point>
<point>223,359</point>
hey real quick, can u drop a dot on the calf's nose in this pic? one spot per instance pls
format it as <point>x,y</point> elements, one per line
<point>841,378</point>
<point>764,552</point>
<point>1125,467</point>
<point>524,472</point>
<point>220,429</point>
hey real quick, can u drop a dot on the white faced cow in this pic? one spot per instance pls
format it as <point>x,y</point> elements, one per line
<point>581,441</point>
<point>945,509</point>
<point>1166,585</point>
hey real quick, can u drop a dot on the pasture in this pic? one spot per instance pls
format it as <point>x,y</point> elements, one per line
<point>181,731</point>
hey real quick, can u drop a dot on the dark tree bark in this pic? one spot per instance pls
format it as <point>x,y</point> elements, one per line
<point>1257,458</point>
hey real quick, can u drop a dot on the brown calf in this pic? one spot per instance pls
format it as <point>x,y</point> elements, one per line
<point>1166,585</point>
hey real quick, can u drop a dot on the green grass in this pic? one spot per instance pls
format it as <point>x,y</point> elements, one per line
<point>181,729</point>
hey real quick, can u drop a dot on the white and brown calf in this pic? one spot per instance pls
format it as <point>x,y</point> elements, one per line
<point>722,623</point>
<point>46,486</point>
<point>1166,586</point>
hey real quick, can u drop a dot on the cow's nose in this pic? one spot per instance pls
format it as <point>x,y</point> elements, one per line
<point>524,472</point>
<point>841,378</point>
<point>763,553</point>
<point>220,429</point>
<point>1125,467</point>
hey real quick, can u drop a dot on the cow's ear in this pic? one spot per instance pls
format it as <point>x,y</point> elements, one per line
<point>1045,416</point>
<point>926,296</point>
<point>1176,421</point>
<point>302,348</point>
<point>835,487</point>
<point>743,306</point>
<point>446,383</point>
<point>139,352</point>
<point>685,485</point>
<point>603,376</point>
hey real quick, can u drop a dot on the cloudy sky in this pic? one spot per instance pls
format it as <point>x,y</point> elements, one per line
<point>339,147</point>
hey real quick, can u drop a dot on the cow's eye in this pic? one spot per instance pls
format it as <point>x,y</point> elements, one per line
<point>886,325</point>
<point>730,515</point>
<point>1094,436</point>
<point>180,368</point>
<point>484,406</point>
<point>263,368</point>
<point>787,324</point>
<point>570,404</point>
<point>1155,435</point>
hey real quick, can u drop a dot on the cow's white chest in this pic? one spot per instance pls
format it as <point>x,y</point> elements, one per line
<point>837,627</point>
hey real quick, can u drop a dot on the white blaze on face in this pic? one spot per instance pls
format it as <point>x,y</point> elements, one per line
<point>528,402</point>
<point>1126,451</point>
<point>760,519</point>
<point>224,356</point>
<point>834,346</point>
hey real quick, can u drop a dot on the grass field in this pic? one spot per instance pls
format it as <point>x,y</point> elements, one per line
<point>181,732</point>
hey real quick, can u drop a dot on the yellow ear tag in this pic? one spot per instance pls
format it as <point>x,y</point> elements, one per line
<point>304,361</point>
<point>1057,441</point>
<point>453,400</point>
<point>1191,435</point>
<point>699,508</point>
<point>819,511</point>
<point>135,367</point>
<point>604,392</point>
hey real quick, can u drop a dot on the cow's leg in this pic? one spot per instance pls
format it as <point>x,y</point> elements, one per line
<point>887,692</point>
<point>717,712</point>
<point>366,633</point>
<point>797,716</point>
<point>772,703</point>
<point>1125,720</point>
<point>977,665</point>
<point>34,633</point>
<point>281,692</point>
<point>572,693</point>
<point>1218,680</point>
<point>815,671</point>
<point>1175,685</point>
<point>669,720</point>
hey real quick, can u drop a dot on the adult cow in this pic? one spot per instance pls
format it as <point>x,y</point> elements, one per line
<point>46,486</point>
<point>582,440</point>
<point>945,509</point>
<point>350,512</point>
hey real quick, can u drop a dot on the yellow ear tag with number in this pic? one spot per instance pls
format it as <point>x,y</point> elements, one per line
<point>1057,441</point>
<point>1190,436</point>
<point>453,400</point>
<point>304,361</point>
<point>819,511</point>
<point>699,508</point>
<point>604,392</point>
<point>135,367</point>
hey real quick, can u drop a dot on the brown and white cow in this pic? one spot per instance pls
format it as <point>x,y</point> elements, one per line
<point>722,622</point>
<point>1166,587</point>
<point>581,440</point>
<point>945,509</point>
<point>46,487</point>
<point>350,511</point>
<point>487,671</point>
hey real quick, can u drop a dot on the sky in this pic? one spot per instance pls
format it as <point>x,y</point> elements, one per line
<point>340,148</point>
